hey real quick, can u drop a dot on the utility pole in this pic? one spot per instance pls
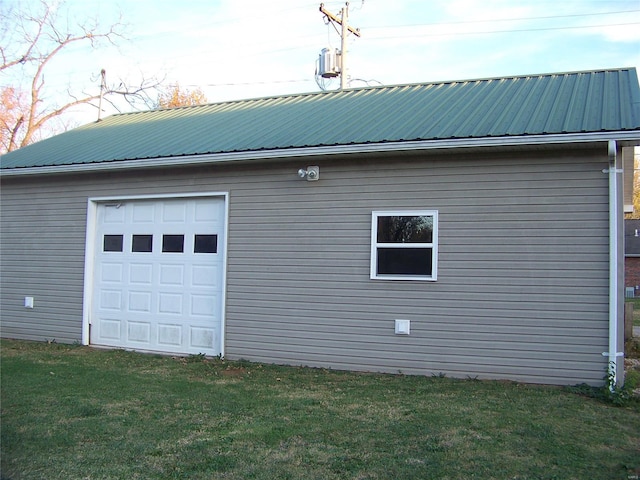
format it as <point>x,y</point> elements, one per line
<point>343,21</point>
<point>103,87</point>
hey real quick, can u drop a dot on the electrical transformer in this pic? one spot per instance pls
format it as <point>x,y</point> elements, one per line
<point>329,65</point>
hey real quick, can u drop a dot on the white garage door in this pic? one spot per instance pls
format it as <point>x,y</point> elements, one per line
<point>158,275</point>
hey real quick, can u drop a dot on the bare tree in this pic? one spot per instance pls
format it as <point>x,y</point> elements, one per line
<point>28,44</point>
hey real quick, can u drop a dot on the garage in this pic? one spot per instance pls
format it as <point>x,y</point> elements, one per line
<point>157,274</point>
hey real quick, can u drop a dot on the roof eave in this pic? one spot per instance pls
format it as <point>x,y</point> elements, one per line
<point>628,138</point>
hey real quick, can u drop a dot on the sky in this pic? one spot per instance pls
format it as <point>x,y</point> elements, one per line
<point>237,49</point>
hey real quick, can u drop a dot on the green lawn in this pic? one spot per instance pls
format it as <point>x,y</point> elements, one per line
<point>636,310</point>
<point>70,412</point>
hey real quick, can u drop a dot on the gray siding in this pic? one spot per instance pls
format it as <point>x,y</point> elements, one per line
<point>522,290</point>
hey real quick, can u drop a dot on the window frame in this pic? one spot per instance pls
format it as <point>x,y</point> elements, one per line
<point>433,245</point>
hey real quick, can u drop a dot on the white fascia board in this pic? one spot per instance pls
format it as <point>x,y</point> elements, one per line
<point>191,160</point>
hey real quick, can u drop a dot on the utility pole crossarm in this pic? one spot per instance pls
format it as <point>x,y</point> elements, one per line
<point>332,17</point>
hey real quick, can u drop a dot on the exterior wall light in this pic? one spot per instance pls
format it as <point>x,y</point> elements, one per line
<point>311,173</point>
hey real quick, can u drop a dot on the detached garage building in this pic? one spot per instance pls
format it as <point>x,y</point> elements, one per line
<point>472,228</point>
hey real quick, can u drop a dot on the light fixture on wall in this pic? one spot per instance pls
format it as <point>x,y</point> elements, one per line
<point>311,173</point>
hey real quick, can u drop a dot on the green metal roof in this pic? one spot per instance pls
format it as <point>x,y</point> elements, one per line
<point>548,104</point>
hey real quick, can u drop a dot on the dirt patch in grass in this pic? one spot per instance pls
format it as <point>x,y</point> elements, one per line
<point>233,371</point>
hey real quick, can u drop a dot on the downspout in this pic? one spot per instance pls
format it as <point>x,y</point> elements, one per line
<point>614,245</point>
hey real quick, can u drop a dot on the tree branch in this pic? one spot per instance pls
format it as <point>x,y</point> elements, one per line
<point>14,133</point>
<point>31,45</point>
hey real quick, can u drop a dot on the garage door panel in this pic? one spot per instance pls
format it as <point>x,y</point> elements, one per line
<point>109,329</point>
<point>143,213</point>
<point>203,212</point>
<point>115,215</point>
<point>141,273</point>
<point>170,303</point>
<point>139,302</point>
<point>202,338</point>
<point>111,272</point>
<point>111,300</point>
<point>204,275</point>
<point>170,335</point>
<point>174,212</point>
<point>139,332</point>
<point>203,305</point>
<point>158,281</point>
<point>171,274</point>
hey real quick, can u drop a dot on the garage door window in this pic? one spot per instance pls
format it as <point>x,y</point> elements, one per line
<point>112,243</point>
<point>173,243</point>
<point>205,244</point>
<point>142,243</point>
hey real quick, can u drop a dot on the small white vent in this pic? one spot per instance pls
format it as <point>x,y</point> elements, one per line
<point>403,327</point>
<point>629,292</point>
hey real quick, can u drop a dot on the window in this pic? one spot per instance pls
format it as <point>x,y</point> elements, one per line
<point>142,243</point>
<point>205,244</point>
<point>404,245</point>
<point>112,243</point>
<point>172,243</point>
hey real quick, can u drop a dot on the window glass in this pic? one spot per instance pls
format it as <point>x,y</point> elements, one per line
<point>173,243</point>
<point>142,243</point>
<point>404,245</point>
<point>405,229</point>
<point>205,244</point>
<point>404,261</point>
<point>112,243</point>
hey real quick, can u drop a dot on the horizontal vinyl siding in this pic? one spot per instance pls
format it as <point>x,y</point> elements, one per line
<point>522,274</point>
<point>42,238</point>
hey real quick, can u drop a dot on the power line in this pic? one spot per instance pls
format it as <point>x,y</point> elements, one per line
<point>244,84</point>
<point>486,32</point>
<point>502,20</point>
<point>370,37</point>
<point>373,37</point>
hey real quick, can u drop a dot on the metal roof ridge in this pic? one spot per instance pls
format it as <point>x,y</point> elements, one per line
<point>520,76</point>
<point>370,88</point>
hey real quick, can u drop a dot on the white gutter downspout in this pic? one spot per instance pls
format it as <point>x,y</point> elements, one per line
<point>614,245</point>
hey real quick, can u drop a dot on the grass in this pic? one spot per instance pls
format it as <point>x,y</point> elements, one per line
<point>636,310</point>
<point>70,412</point>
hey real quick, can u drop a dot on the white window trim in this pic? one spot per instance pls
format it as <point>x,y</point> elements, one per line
<point>375,245</point>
